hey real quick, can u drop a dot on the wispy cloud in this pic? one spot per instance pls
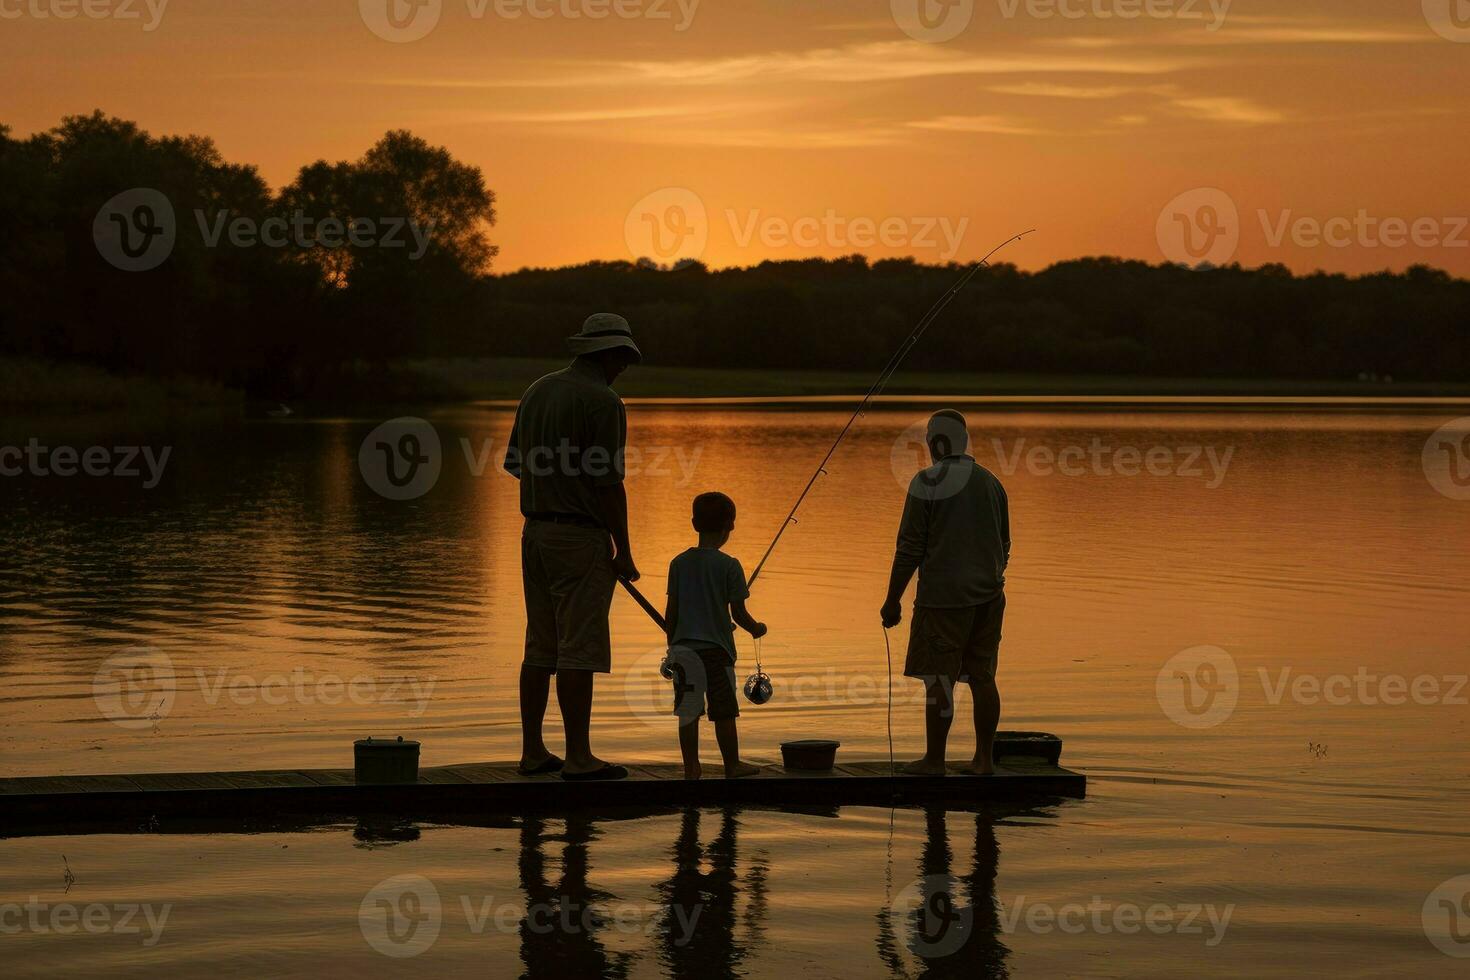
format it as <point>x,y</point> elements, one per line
<point>1228,109</point>
<point>1004,125</point>
<point>1054,91</point>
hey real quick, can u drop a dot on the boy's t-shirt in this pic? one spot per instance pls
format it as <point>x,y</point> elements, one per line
<point>702,584</point>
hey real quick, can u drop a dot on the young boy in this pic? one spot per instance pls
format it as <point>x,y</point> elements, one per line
<point>707,588</point>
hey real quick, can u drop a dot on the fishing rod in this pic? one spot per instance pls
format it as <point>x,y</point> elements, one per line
<point>884,376</point>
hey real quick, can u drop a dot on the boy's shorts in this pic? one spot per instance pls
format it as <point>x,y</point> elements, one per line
<point>567,572</point>
<point>958,644</point>
<point>703,675</point>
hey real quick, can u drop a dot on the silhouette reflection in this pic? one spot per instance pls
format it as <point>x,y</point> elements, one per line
<point>559,931</point>
<point>698,934</point>
<point>942,925</point>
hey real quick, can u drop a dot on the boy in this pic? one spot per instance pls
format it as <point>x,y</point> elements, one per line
<point>706,588</point>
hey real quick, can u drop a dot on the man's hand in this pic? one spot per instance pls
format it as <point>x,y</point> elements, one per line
<point>758,630</point>
<point>624,567</point>
<point>892,613</point>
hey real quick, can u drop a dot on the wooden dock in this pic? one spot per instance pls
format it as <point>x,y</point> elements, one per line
<point>59,803</point>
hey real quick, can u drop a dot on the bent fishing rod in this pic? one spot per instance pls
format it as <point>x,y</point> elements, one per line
<point>884,377</point>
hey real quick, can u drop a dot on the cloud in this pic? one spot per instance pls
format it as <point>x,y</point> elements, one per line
<point>1228,109</point>
<point>1004,125</point>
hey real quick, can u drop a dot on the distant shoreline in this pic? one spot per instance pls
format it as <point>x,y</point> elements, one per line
<point>48,388</point>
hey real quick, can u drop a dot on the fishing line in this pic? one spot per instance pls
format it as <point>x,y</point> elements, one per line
<point>889,651</point>
<point>884,377</point>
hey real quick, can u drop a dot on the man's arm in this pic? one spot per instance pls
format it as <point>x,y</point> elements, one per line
<point>513,448</point>
<point>913,543</point>
<point>612,501</point>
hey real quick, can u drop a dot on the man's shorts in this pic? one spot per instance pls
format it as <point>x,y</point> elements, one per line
<point>959,644</point>
<point>703,675</point>
<point>567,572</point>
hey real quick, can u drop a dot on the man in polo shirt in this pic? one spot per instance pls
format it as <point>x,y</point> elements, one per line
<point>956,533</point>
<point>567,449</point>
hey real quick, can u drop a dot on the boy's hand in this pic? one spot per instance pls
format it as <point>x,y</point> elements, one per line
<point>892,613</point>
<point>758,630</point>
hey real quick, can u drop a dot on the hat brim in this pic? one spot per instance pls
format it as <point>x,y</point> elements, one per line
<point>591,345</point>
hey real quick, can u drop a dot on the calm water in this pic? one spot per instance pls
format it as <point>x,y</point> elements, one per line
<point>1302,564</point>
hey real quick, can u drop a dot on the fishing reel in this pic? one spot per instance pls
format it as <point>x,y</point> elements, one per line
<point>758,688</point>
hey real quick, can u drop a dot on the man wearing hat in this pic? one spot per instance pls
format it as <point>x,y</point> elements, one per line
<point>567,449</point>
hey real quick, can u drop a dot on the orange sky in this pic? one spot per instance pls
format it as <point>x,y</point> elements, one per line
<point>822,127</point>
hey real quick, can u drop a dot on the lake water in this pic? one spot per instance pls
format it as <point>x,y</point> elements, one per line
<point>1251,628</point>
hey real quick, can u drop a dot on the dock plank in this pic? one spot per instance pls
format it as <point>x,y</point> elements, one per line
<point>495,788</point>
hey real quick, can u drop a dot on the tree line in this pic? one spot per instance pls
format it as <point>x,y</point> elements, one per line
<point>295,319</point>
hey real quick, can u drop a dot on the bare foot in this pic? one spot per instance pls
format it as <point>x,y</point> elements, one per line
<point>693,772</point>
<point>740,770</point>
<point>592,764</point>
<point>978,767</point>
<point>924,768</point>
<point>544,763</point>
